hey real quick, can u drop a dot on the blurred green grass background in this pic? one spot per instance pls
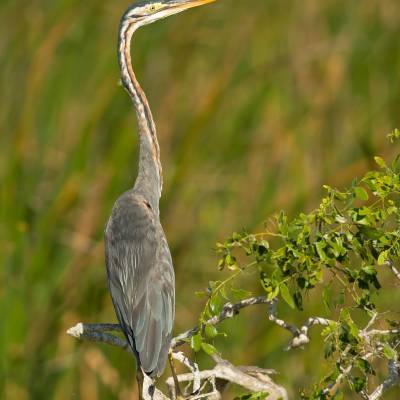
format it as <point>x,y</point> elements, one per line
<point>257,104</point>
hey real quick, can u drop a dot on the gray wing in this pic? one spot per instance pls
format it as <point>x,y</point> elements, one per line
<point>141,281</point>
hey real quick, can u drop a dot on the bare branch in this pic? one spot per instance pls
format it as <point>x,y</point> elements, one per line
<point>225,371</point>
<point>300,335</point>
<point>272,315</point>
<point>98,333</point>
<point>229,310</point>
<point>248,378</point>
<point>251,378</point>
<point>192,366</point>
<point>378,332</point>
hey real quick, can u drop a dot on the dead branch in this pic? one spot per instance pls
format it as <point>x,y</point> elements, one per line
<point>229,310</point>
<point>255,381</point>
<point>250,378</point>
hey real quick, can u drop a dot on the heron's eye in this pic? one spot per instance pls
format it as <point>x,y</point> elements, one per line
<point>154,7</point>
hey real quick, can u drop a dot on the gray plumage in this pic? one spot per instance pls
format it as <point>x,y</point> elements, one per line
<point>139,266</point>
<point>141,279</point>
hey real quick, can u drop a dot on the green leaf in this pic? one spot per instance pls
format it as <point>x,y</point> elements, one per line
<point>320,250</point>
<point>382,259</point>
<point>211,331</point>
<point>272,295</point>
<point>298,299</point>
<point>240,294</point>
<point>209,348</point>
<point>216,304</point>
<point>364,366</point>
<point>329,349</point>
<point>286,295</point>
<point>361,193</point>
<point>196,342</point>
<point>359,384</point>
<point>390,353</point>
<point>369,270</point>
<point>380,162</point>
<point>340,219</point>
<point>230,262</point>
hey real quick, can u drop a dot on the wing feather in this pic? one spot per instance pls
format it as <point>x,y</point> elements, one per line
<point>141,281</point>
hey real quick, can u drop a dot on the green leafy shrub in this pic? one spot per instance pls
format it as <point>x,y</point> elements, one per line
<point>344,249</point>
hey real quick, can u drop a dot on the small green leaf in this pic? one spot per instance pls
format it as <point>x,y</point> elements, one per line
<point>273,294</point>
<point>369,270</point>
<point>209,348</point>
<point>340,219</point>
<point>365,366</point>
<point>240,294</point>
<point>329,349</point>
<point>286,295</point>
<point>320,250</point>
<point>359,384</point>
<point>361,193</point>
<point>298,299</point>
<point>383,258</point>
<point>216,304</point>
<point>390,354</point>
<point>230,262</point>
<point>196,342</point>
<point>380,162</point>
<point>211,331</point>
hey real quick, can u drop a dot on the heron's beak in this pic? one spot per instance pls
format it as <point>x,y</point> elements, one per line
<point>173,7</point>
<point>186,4</point>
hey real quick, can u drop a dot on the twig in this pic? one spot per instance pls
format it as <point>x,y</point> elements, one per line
<point>192,366</point>
<point>300,335</point>
<point>396,272</point>
<point>229,310</point>
<point>272,315</point>
<point>98,333</point>
<point>377,332</point>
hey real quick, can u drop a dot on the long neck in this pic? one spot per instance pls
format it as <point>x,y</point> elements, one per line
<point>149,179</point>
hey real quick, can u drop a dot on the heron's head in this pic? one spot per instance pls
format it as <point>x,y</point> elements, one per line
<point>147,12</point>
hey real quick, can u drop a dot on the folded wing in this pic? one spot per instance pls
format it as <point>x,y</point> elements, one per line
<point>141,282</point>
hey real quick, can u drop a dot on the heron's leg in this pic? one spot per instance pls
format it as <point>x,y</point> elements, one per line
<point>139,378</point>
<point>179,394</point>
